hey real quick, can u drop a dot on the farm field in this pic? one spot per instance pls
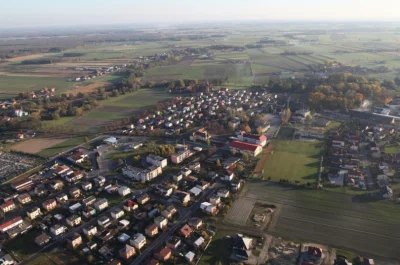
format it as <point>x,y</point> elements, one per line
<point>293,160</point>
<point>62,146</point>
<point>118,108</point>
<point>339,220</point>
<point>17,84</point>
<point>37,145</point>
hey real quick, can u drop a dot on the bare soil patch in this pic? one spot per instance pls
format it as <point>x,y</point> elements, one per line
<point>29,57</point>
<point>36,145</point>
<point>88,88</point>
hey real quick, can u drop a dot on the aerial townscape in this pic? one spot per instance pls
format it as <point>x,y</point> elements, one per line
<point>246,142</point>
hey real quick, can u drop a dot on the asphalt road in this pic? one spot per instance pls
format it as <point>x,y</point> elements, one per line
<point>368,176</point>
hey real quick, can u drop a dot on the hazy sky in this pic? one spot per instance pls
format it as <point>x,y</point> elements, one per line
<point>17,13</point>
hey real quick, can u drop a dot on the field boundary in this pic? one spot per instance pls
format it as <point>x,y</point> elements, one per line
<point>261,163</point>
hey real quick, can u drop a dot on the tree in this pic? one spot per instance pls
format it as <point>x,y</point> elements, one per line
<point>218,163</point>
<point>86,139</point>
<point>77,111</point>
<point>239,168</point>
<point>247,129</point>
<point>208,142</point>
<point>245,157</point>
<point>259,130</point>
<point>309,118</point>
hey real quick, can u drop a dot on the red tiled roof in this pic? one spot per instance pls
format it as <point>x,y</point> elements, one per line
<point>244,146</point>
<point>10,222</point>
<point>151,227</point>
<point>164,252</point>
<point>154,262</point>
<point>130,203</point>
<point>261,138</point>
<point>6,204</point>
<point>186,230</point>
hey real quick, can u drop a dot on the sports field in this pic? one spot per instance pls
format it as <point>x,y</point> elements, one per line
<point>293,160</point>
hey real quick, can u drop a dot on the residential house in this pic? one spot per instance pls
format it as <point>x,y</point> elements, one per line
<point>169,212</point>
<point>56,184</point>
<point>153,262</point>
<point>123,191</point>
<point>185,231</point>
<point>180,156</point>
<point>10,224</point>
<point>157,160</point>
<point>99,181</point>
<point>215,200</point>
<point>130,206</point>
<point>88,212</point>
<point>89,201</point>
<point>7,206</point>
<point>101,204</point>
<point>173,242</point>
<point>138,241</point>
<point>21,185</point>
<point>86,186</point>
<point>198,243</point>
<point>42,239</point>
<point>117,213</point>
<point>177,177</point>
<point>33,213</point>
<point>229,175</point>
<point>74,220</point>
<point>90,231</point>
<point>253,139</point>
<point>143,199</point>
<point>62,197</point>
<point>103,221</point>
<point>161,221</point>
<point>127,252</point>
<point>151,230</point>
<point>75,192</point>
<point>77,157</point>
<point>75,240</point>
<point>242,147</point>
<point>49,205</point>
<point>57,229</point>
<point>208,208</point>
<point>186,171</point>
<point>195,223</point>
<point>189,256</point>
<point>201,134</point>
<point>223,193</point>
<point>164,254</point>
<point>181,196</point>
<point>312,133</point>
<point>140,174</point>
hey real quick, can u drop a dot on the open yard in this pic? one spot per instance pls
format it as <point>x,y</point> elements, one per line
<point>293,160</point>
<point>392,149</point>
<point>36,145</point>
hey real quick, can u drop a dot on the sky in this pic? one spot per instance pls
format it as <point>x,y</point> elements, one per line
<point>32,13</point>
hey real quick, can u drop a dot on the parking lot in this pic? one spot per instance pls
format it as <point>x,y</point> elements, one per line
<point>13,164</point>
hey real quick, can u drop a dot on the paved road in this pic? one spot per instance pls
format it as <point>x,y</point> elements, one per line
<point>163,238</point>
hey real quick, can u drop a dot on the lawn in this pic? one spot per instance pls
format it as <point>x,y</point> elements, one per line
<point>392,149</point>
<point>219,248</point>
<point>41,259</point>
<point>61,147</point>
<point>21,249</point>
<point>143,98</point>
<point>19,84</point>
<point>59,122</point>
<point>293,160</point>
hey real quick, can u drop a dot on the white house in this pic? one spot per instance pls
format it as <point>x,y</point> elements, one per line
<point>117,213</point>
<point>156,160</point>
<point>101,204</point>
<point>90,231</point>
<point>161,222</point>
<point>123,191</point>
<point>57,229</point>
<point>138,241</point>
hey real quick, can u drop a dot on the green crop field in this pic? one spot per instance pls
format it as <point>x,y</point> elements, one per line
<point>19,84</point>
<point>143,98</point>
<point>293,160</point>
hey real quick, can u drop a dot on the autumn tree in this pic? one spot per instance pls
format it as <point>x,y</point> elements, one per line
<point>218,163</point>
<point>245,157</point>
<point>259,130</point>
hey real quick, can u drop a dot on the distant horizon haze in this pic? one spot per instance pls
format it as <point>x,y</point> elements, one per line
<point>46,13</point>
